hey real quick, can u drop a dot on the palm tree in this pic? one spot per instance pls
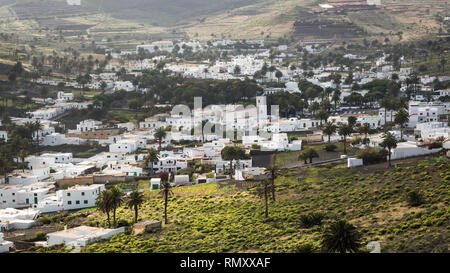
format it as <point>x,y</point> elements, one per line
<point>22,155</point>
<point>5,166</point>
<point>272,170</point>
<point>135,200</point>
<point>37,126</point>
<point>103,203</point>
<point>389,142</point>
<point>116,201</point>
<point>341,237</point>
<point>311,153</point>
<point>166,191</point>
<point>352,121</point>
<point>365,129</point>
<point>232,153</point>
<point>160,134</point>
<point>345,130</point>
<point>278,74</point>
<point>336,98</point>
<point>303,156</point>
<point>401,118</point>
<point>263,190</point>
<point>322,115</point>
<point>329,129</point>
<point>151,158</point>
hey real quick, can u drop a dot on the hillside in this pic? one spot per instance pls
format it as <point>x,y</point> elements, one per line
<point>398,20</point>
<point>227,217</point>
<point>164,12</point>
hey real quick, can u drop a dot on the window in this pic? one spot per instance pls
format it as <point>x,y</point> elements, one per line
<point>77,202</point>
<point>82,193</point>
<point>85,201</point>
<point>68,194</point>
<point>69,202</point>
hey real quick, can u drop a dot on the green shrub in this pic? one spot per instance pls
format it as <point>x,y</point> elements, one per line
<point>372,155</point>
<point>330,147</point>
<point>123,223</point>
<point>415,198</point>
<point>256,147</point>
<point>312,219</point>
<point>38,236</point>
<point>304,248</point>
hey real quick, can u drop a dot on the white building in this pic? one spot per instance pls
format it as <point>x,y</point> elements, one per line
<point>124,146</point>
<point>79,197</point>
<point>160,45</point>
<point>433,130</point>
<point>124,85</point>
<point>129,126</point>
<point>74,198</point>
<point>18,196</point>
<point>11,219</point>
<point>81,236</point>
<point>151,123</point>
<point>65,96</point>
<point>155,183</point>
<point>239,164</point>
<point>89,125</point>
<point>4,135</point>
<point>5,246</point>
<point>170,162</point>
<point>410,149</point>
<point>57,139</point>
<point>427,112</point>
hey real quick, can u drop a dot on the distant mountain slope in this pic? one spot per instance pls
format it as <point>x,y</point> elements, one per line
<point>164,12</point>
<point>393,20</point>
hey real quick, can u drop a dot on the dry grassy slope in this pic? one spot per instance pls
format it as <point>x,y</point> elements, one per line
<point>413,18</point>
<point>226,217</point>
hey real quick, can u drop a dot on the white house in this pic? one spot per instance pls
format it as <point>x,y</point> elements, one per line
<point>76,197</point>
<point>11,219</point>
<point>181,179</point>
<point>5,246</point>
<point>155,183</point>
<point>129,126</point>
<point>89,125</point>
<point>65,96</point>
<point>4,135</point>
<point>124,146</point>
<point>410,149</point>
<point>427,112</point>
<point>63,158</point>
<point>433,130</point>
<point>79,197</point>
<point>151,123</point>
<point>170,162</point>
<point>81,236</point>
<point>225,164</point>
<point>57,139</point>
<point>18,196</point>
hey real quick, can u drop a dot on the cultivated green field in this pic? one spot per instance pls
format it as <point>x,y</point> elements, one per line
<point>219,217</point>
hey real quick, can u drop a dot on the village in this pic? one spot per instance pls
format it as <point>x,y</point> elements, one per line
<point>218,142</point>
